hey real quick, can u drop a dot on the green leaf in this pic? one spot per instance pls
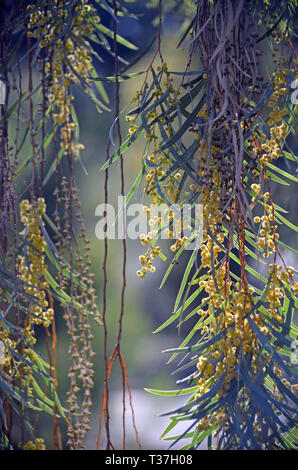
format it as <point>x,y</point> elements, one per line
<point>44,407</point>
<point>12,393</point>
<point>188,435</point>
<point>289,156</point>
<point>188,338</point>
<point>49,385</point>
<point>131,193</point>
<point>62,295</point>
<point>285,221</point>
<point>171,393</point>
<point>110,33</point>
<point>185,278</point>
<point>121,77</point>
<point>127,143</point>
<point>100,87</point>
<point>282,172</point>
<point>53,166</point>
<point>273,177</point>
<point>170,426</point>
<point>41,394</point>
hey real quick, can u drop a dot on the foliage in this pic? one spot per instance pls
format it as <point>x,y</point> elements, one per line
<point>217,136</point>
<point>45,263</point>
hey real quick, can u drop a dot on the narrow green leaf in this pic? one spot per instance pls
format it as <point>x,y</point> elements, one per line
<point>171,393</point>
<point>100,87</point>
<point>121,150</point>
<point>185,278</point>
<point>187,339</point>
<point>273,177</point>
<point>63,295</point>
<point>282,172</point>
<point>289,156</point>
<point>131,192</point>
<point>285,221</point>
<point>110,33</point>
<point>41,394</point>
<point>170,426</point>
<point>53,166</point>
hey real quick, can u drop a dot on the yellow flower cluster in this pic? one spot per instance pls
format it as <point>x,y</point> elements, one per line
<point>234,303</point>
<point>133,126</point>
<point>267,233</point>
<point>155,223</point>
<point>8,356</point>
<point>32,267</point>
<point>279,278</point>
<point>271,147</point>
<point>72,58</point>
<point>209,193</point>
<point>179,243</point>
<point>168,84</point>
<point>37,444</point>
<point>152,250</point>
<point>146,262</point>
<point>222,357</point>
<point>161,162</point>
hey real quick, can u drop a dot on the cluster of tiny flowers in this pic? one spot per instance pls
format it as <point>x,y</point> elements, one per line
<point>7,359</point>
<point>270,148</point>
<point>157,165</point>
<point>32,267</point>
<point>222,357</point>
<point>235,303</point>
<point>267,234</point>
<point>152,250</point>
<point>214,186</point>
<point>37,444</point>
<point>71,60</point>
